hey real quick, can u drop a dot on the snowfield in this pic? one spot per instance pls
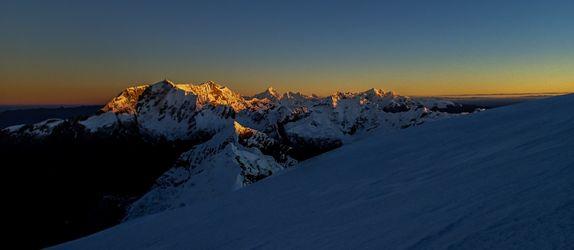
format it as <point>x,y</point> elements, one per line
<point>502,179</point>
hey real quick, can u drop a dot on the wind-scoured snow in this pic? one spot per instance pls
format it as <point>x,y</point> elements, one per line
<point>500,179</point>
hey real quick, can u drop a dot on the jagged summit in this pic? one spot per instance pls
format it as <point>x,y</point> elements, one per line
<point>376,92</point>
<point>167,81</point>
<point>270,93</point>
<point>176,110</point>
<point>210,84</point>
<point>270,89</point>
<point>126,101</point>
<point>213,93</point>
<point>273,95</point>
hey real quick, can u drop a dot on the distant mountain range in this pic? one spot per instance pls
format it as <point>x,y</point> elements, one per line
<point>499,179</point>
<point>15,115</point>
<point>162,146</point>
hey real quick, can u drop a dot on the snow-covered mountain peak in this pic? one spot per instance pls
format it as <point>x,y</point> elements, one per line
<point>126,101</point>
<point>172,110</point>
<point>297,99</point>
<point>205,93</point>
<point>374,92</point>
<point>167,81</point>
<point>270,94</point>
<point>215,94</point>
<point>162,85</point>
<point>180,111</point>
<point>272,90</point>
<point>231,138</point>
<point>361,98</point>
<point>230,141</point>
<point>208,85</point>
<point>295,95</point>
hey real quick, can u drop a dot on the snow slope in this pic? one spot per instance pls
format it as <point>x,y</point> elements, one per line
<point>497,179</point>
<point>233,141</point>
<point>502,178</point>
<point>208,170</point>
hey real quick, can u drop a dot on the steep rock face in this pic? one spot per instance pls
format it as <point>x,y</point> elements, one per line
<point>126,101</point>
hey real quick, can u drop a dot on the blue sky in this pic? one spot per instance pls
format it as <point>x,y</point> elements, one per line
<point>412,47</point>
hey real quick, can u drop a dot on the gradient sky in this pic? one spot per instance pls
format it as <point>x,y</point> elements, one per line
<point>72,52</point>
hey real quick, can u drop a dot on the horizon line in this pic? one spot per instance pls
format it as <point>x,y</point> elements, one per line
<point>484,95</point>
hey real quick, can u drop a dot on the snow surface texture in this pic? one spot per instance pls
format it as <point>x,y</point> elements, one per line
<point>497,179</point>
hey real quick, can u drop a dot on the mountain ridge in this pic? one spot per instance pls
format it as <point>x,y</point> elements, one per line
<point>256,137</point>
<point>488,188</point>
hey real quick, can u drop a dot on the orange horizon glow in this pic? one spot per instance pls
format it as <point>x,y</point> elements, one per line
<point>71,52</point>
<point>96,94</point>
